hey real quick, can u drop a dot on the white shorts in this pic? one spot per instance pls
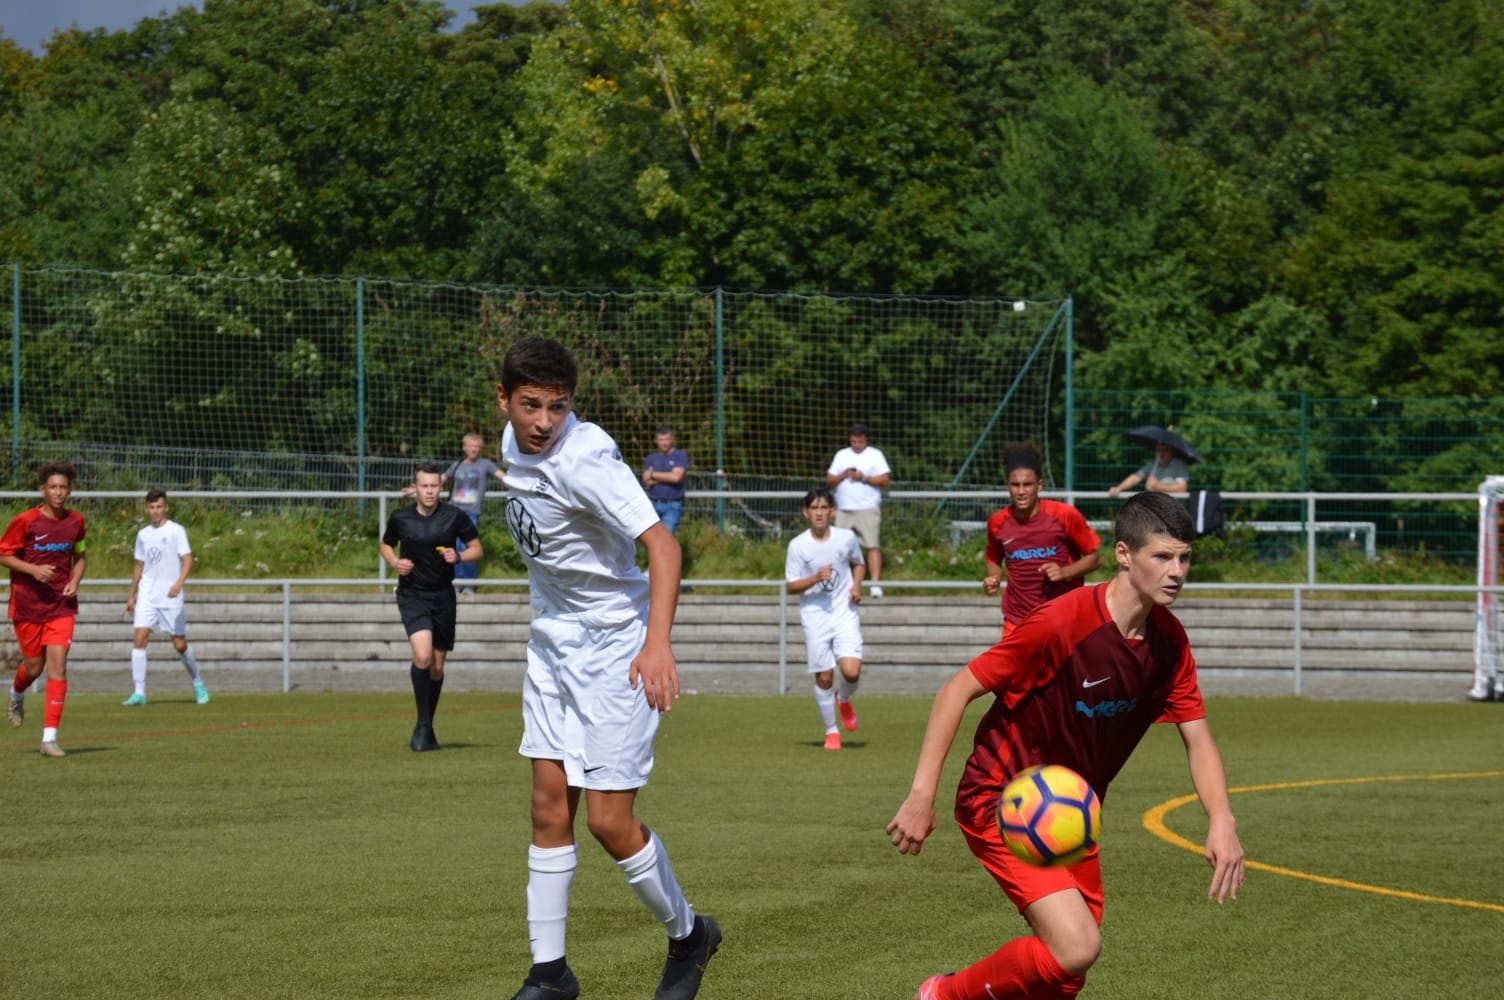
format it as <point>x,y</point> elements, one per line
<point>831,637</point>
<point>578,705</point>
<point>166,617</point>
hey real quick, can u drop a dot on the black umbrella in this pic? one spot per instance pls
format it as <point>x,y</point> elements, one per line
<point>1151,435</point>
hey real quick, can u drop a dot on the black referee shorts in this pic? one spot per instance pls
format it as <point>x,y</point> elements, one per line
<point>429,611</point>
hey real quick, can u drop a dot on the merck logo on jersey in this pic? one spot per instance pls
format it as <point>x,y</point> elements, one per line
<point>52,547</point>
<point>1106,709</point>
<point>1043,552</point>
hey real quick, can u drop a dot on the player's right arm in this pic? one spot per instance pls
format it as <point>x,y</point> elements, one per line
<point>993,555</point>
<point>130,595</point>
<point>993,581</point>
<point>37,571</point>
<point>402,566</point>
<point>915,819</point>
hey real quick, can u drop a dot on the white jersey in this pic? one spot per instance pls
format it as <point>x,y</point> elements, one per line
<point>160,552</point>
<point>840,551</point>
<point>575,512</point>
<point>850,494</point>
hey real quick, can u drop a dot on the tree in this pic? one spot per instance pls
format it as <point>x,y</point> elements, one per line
<point>1404,258</point>
<point>1080,201</point>
<point>711,142</point>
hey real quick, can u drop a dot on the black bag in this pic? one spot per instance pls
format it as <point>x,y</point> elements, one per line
<point>1206,513</point>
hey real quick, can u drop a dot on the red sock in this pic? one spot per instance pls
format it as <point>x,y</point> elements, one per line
<point>1022,969</point>
<point>56,694</point>
<point>22,682</point>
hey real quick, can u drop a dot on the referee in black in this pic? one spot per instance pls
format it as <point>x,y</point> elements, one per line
<point>419,544</point>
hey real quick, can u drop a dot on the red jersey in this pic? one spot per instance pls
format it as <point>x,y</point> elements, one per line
<point>1072,690</point>
<point>1057,533</point>
<point>36,538</point>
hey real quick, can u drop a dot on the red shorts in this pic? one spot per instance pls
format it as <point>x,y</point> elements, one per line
<point>35,637</point>
<point>1024,883</point>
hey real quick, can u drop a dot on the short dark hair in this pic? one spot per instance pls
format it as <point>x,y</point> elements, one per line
<point>1023,455</point>
<point>432,468</point>
<point>152,496</point>
<point>541,362</point>
<point>818,493</point>
<point>857,429</point>
<point>665,429</point>
<point>50,469</point>
<point>1151,513</point>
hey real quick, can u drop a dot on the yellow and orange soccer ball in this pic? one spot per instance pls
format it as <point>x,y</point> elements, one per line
<point>1049,815</point>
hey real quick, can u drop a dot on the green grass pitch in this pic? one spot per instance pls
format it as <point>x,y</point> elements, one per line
<point>292,846</point>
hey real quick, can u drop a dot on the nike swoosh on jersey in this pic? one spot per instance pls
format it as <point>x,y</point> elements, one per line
<point>1092,684</point>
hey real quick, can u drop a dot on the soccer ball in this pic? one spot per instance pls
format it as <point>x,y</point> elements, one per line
<point>1049,815</point>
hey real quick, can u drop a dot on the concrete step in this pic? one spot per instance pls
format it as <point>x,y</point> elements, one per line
<point>732,642</point>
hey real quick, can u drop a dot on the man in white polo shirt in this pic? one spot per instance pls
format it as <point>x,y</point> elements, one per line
<point>858,474</point>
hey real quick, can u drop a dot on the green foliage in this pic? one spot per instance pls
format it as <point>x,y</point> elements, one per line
<point>1079,201</point>
<point>1245,196</point>
<point>727,143</point>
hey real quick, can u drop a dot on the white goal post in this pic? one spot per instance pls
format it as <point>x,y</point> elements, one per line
<point>1487,684</point>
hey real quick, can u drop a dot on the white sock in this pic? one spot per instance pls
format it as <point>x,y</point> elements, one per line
<point>652,878</point>
<point>190,664</point>
<point>550,872</point>
<point>844,688</point>
<point>138,670</point>
<point>49,734</point>
<point>825,701</point>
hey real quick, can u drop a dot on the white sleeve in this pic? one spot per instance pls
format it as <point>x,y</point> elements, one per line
<point>605,484</point>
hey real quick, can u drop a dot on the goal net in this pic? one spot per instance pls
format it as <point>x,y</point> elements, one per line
<point>1488,644</point>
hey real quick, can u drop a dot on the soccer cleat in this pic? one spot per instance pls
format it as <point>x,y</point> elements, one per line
<point>200,693</point>
<point>848,714</point>
<point>832,741</point>
<point>566,987</point>
<point>423,739</point>
<point>876,591</point>
<point>687,960</point>
<point>1473,695</point>
<point>16,713</point>
<point>136,699</point>
<point>51,749</point>
<point>929,989</point>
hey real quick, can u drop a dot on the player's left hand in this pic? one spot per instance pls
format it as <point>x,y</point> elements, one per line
<point>1224,852</point>
<point>1051,572</point>
<point>659,674</point>
<point>914,822</point>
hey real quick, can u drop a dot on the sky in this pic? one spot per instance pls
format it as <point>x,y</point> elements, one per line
<point>30,22</point>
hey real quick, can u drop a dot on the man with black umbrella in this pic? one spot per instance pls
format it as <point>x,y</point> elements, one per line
<point>1170,472</point>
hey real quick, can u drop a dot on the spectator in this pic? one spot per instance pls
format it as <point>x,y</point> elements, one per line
<point>1169,472</point>
<point>663,474</point>
<point>469,477</point>
<point>858,474</point>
